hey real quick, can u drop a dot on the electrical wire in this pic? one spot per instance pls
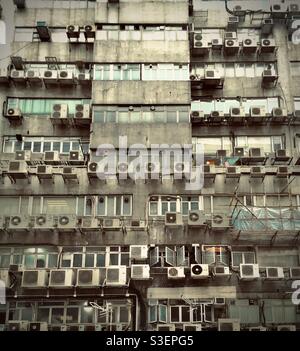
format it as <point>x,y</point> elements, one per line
<point>14,53</point>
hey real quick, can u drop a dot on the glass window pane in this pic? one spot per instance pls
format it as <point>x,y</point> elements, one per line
<point>72,315</point>
<point>77,260</point>
<point>101,260</point>
<point>87,314</point>
<point>185,314</point>
<point>175,314</point>
<point>57,316</point>
<point>89,260</point>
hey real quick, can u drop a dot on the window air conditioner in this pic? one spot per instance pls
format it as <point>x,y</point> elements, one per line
<point>138,252</point>
<point>35,279</point>
<point>173,219</point>
<point>274,273</point>
<point>226,324</point>
<point>66,222</point>
<point>199,271</point>
<point>51,157</point>
<point>249,271</point>
<point>88,277</point>
<point>33,76</point>
<point>43,222</point>
<point>13,114</point>
<point>176,272</point>
<point>140,271</point>
<point>50,77</point>
<point>116,276</point>
<point>17,76</point>
<point>220,221</point>
<point>61,278</point>
<point>221,271</point>
<point>196,218</point>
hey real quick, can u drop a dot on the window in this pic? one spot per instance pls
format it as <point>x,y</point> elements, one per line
<point>113,205</point>
<point>241,257</point>
<point>266,143</point>
<point>43,107</point>
<point>165,72</point>
<point>180,314</point>
<point>159,205</point>
<point>117,72</point>
<point>141,114</point>
<point>215,255</point>
<point>158,313</point>
<point>42,144</point>
<point>212,144</point>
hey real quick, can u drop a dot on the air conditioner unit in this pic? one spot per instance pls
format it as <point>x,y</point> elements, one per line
<point>217,44</point>
<point>258,329</point>
<point>75,156</point>
<point>226,324</point>
<point>18,222</point>
<point>14,114</point>
<point>18,325</point>
<point>249,46</point>
<point>230,35</point>
<point>257,172</point>
<point>89,223</point>
<point>38,326</point>
<point>4,277</point>
<point>17,169</point>
<point>199,271</point>
<point>269,76</point>
<point>232,23</point>
<point>152,169</point>
<point>249,271</point>
<point>111,224</point>
<point>211,78</point>
<point>220,221</point>
<point>201,46</point>
<point>191,327</point>
<point>233,172</point>
<point>255,152</point>
<point>24,155</point>
<point>176,272</point>
<point>257,114</point>
<point>281,153</point>
<point>50,77</point>
<point>116,276</point>
<point>196,218</point>
<point>17,75</point>
<point>89,31</point>
<point>83,78</point>
<point>279,115</point>
<point>33,76</point>
<point>294,9</point>
<point>73,31</point>
<point>140,271</point>
<point>173,219</point>
<point>43,222</point>
<point>278,10</point>
<point>60,111</point>
<point>88,277</point>
<point>138,252</point>
<point>295,272</point>
<point>282,172</point>
<point>51,156</point>
<point>237,114</point>
<point>82,111</point>
<point>34,279</point>
<point>267,26</point>
<point>239,152</point>
<point>267,46</point>
<point>221,271</point>
<point>286,328</point>
<point>197,116</point>
<point>274,273</point>
<point>65,222</point>
<point>44,171</point>
<point>209,171</point>
<point>65,77</point>
<point>61,278</point>
<point>181,170</point>
<point>216,117</point>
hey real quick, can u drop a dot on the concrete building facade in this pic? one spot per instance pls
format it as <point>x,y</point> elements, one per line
<point>81,253</point>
